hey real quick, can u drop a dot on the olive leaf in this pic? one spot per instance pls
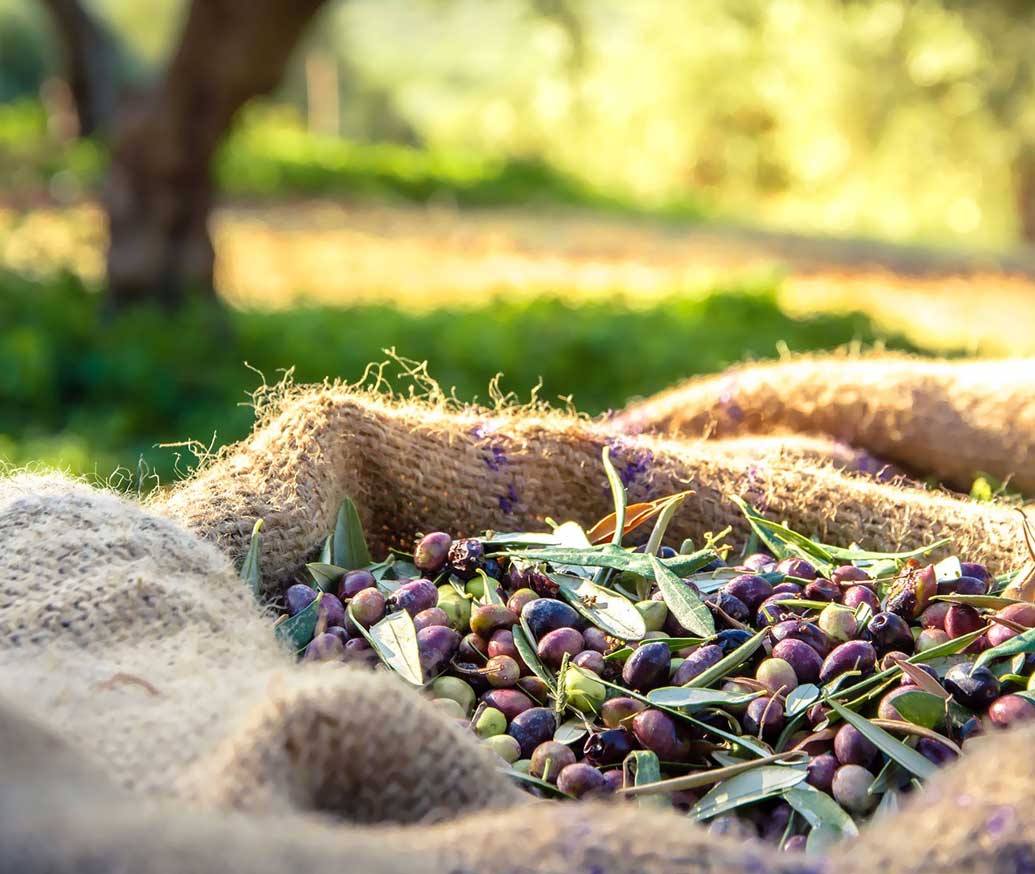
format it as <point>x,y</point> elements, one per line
<point>1022,643</point>
<point>571,731</point>
<point>349,545</point>
<point>617,495</point>
<point>747,788</point>
<point>491,589</point>
<point>657,534</point>
<point>894,749</point>
<point>683,696</point>
<point>612,613</point>
<point>820,810</point>
<point>689,610</point>
<point>731,767</point>
<point>730,662</point>
<point>674,645</point>
<point>801,699</point>
<point>325,552</point>
<point>297,631</point>
<point>781,540</point>
<point>394,639</point>
<point>923,680</point>
<point>853,555</point>
<point>988,602</point>
<point>635,516</point>
<point>251,575</point>
<point>326,576</point>
<point>644,768</point>
<point>523,644</point>
<point>616,558</point>
<point>921,708</point>
<point>522,777</point>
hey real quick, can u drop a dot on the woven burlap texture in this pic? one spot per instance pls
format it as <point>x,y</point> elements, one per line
<point>951,419</point>
<point>151,723</point>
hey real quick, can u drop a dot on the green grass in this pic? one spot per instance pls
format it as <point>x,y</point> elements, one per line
<point>92,394</point>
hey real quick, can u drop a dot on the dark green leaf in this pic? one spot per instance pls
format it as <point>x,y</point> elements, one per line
<point>612,613</point>
<point>921,708</point>
<point>747,788</point>
<point>787,541</point>
<point>682,696</point>
<point>395,640</point>
<point>250,572</point>
<point>674,645</point>
<point>325,553</point>
<point>327,576</point>
<point>522,642</point>
<point>349,545</point>
<point>297,631</point>
<point>851,555</point>
<point>491,589</point>
<point>1022,643</point>
<point>820,810</point>
<point>689,610</point>
<point>730,662</point>
<point>893,748</point>
<point>613,557</point>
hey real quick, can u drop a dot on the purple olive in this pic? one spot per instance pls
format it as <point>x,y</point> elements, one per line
<point>516,602</point>
<point>331,611</point>
<point>889,632</point>
<point>764,716</point>
<point>1009,710</point>
<point>978,571</point>
<point>732,606</point>
<point>696,663</point>
<point>788,589</point>
<point>437,644</point>
<point>502,643</point>
<point>759,561</point>
<point>431,552</point>
<point>487,618</point>
<point>658,733</point>
<point>806,632</point>
<point>414,596</point>
<point>510,702</point>
<point>802,658</point>
<point>555,644</point>
<point>325,648</point>
<point>502,672</point>
<point>963,586</point>
<point>590,659</point>
<point>359,652</point>
<point>934,616</point>
<point>534,687</point>
<point>962,619</point>
<point>852,747</point>
<point>935,751</point>
<point>609,747</point>
<point>466,557</point>
<point>798,568</point>
<point>927,669</point>
<point>749,589</point>
<point>795,844</point>
<point>546,614</point>
<point>847,574</point>
<point>298,597</point>
<point>339,632</point>
<point>910,594</point>
<point>777,676</point>
<point>549,759</point>
<point>823,590</point>
<point>647,667</point>
<point>355,582</point>
<point>429,617</point>
<point>975,688</point>
<point>473,649</point>
<point>581,780</point>
<point>853,596</point>
<point>771,612</point>
<point>614,710</point>
<point>532,727</point>
<point>595,639</point>
<point>851,788</point>
<point>730,639</point>
<point>615,780</point>
<point>855,655</point>
<point>821,771</point>
<point>368,607</point>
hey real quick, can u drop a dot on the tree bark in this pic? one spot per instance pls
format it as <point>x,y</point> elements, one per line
<point>159,191</point>
<point>90,64</point>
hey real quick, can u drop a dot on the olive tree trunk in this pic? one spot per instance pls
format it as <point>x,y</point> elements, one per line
<point>159,191</point>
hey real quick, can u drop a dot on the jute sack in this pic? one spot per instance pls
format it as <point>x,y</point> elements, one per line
<point>952,419</point>
<point>151,723</point>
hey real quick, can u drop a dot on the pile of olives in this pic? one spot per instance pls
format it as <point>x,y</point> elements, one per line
<point>564,704</point>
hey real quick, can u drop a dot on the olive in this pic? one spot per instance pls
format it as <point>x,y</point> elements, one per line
<point>683,799</point>
<point>851,788</point>
<point>732,606</point>
<point>749,589</point>
<point>962,586</point>
<point>546,614</point>
<point>510,702</point>
<point>853,596</point>
<point>855,655</point>
<point>1009,710</point>
<point>516,602</point>
<point>451,709</point>
<point>731,638</point>
<point>324,648</point>
<point>911,593</point>
<point>591,660</point>
<point>962,619</point>
<point>429,617</point>
<point>595,639</point>
<point>457,608</point>
<point>437,644</point>
<point>852,747</point>
<point>581,780</point>
<point>504,746</point>
<point>490,722</point>
<point>609,747</point>
<point>975,688</point>
<point>1022,614</point>
<point>849,574</point>
<point>927,669</point>
<point>777,676</point>
<point>930,638</point>
<point>654,614</point>
<point>764,717</point>
<point>455,689</point>
<point>431,552</point>
<point>823,590</point>
<point>759,561</point>
<point>487,618</point>
<point>522,766</point>
<point>838,623</point>
<point>934,616</point>
<point>549,759</point>
<point>475,588</point>
<point>298,597</point>
<point>806,632</point>
<point>797,567</point>
<point>972,728</point>
<point>339,632</point>
<point>584,690</point>
<point>554,645</point>
<point>614,710</point>
<point>771,612</point>
<point>502,643</point>
<point>615,780</point>
<point>794,844</point>
<point>802,658</point>
<point>647,667</point>
<point>696,663</point>
<point>355,582</point>
<point>502,671</point>
<point>473,648</point>
<point>889,631</point>
<point>788,589</point>
<point>886,709</point>
<point>658,732</point>
<point>368,607</point>
<point>935,751</point>
<point>414,596</point>
<point>773,825</point>
<point>821,771</point>
<point>532,727</point>
<point>978,571</point>
<point>534,687</point>
<point>730,826</point>
<point>465,557</point>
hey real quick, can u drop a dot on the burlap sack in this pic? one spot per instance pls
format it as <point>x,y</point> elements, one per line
<point>953,420</point>
<point>151,723</point>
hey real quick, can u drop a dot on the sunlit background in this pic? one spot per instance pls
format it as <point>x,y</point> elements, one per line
<point>606,195</point>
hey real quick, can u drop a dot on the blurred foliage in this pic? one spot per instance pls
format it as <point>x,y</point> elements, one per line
<point>92,393</point>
